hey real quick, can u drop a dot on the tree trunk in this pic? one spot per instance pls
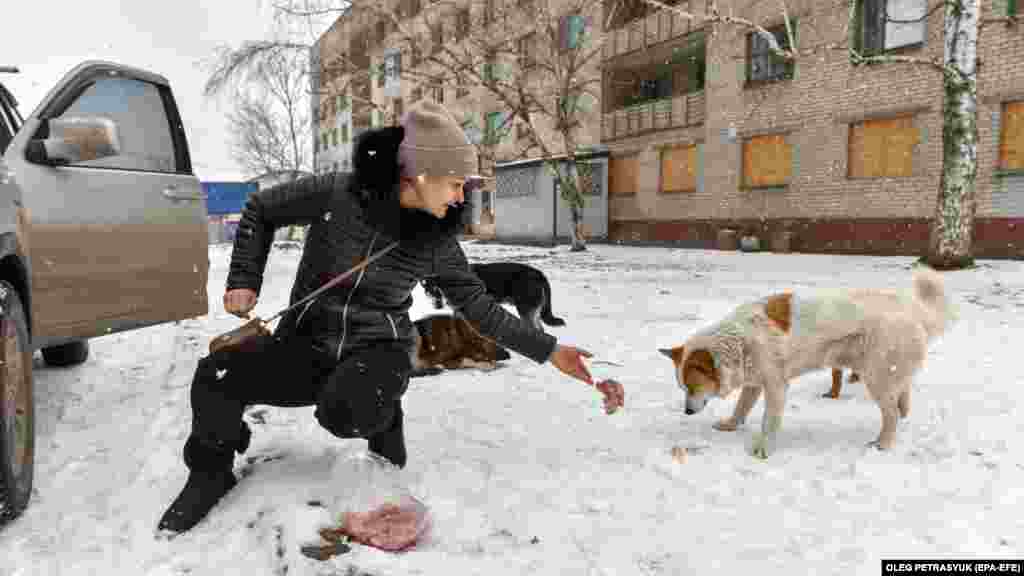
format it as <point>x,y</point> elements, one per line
<point>952,227</point>
<point>575,201</point>
<point>572,193</point>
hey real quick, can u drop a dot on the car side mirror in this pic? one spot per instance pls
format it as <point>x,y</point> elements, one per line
<point>73,140</point>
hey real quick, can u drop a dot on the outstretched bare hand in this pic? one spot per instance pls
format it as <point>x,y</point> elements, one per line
<point>569,360</point>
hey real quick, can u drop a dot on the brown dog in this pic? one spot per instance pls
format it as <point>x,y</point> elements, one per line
<point>452,342</point>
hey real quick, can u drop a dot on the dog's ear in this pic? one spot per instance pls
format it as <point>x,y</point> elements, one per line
<point>675,354</point>
<point>700,374</point>
<point>702,362</point>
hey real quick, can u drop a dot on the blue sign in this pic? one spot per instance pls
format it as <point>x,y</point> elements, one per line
<point>227,197</point>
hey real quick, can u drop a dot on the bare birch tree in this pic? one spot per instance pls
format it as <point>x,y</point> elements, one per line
<point>269,127</point>
<point>550,99</point>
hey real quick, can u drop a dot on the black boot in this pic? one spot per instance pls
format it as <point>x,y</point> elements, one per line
<point>209,479</point>
<point>391,443</point>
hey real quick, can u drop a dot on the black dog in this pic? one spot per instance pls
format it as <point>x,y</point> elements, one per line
<point>521,285</point>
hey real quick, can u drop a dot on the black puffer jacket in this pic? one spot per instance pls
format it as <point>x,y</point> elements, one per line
<point>351,216</point>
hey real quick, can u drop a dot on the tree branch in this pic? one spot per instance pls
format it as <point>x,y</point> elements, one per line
<point>714,16</point>
<point>287,9</point>
<point>935,63</point>
<point>232,65</point>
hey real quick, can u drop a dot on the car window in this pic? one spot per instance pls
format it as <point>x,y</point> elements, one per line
<point>142,127</point>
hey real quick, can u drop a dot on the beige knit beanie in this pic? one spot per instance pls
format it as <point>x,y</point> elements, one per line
<point>434,143</point>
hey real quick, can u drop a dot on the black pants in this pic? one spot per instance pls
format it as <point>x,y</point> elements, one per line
<point>356,398</point>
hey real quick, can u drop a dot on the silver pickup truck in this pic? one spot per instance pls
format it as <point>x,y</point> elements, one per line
<point>103,228</point>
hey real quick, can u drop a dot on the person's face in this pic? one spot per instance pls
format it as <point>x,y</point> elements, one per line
<point>436,194</point>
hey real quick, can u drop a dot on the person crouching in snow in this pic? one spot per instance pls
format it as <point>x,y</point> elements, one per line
<point>348,351</point>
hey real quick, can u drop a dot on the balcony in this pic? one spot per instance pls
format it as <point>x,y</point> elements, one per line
<point>645,32</point>
<point>665,114</point>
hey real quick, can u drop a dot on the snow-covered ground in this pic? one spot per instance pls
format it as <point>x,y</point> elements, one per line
<point>521,468</point>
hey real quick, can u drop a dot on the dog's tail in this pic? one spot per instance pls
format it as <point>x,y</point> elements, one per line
<point>545,311</point>
<point>930,291</point>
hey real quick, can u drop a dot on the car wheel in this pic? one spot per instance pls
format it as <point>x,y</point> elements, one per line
<point>17,407</point>
<point>68,354</point>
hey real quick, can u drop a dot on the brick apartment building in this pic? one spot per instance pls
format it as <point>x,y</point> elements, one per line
<point>710,132</point>
<point>400,76</point>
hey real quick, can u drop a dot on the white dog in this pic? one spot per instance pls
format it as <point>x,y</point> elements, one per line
<point>882,335</point>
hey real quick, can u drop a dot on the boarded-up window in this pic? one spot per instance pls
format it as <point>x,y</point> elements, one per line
<point>882,148</point>
<point>767,161</point>
<point>622,175</point>
<point>1011,140</point>
<point>679,169</point>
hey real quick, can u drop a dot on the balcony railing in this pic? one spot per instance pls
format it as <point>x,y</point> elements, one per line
<point>678,112</point>
<point>643,32</point>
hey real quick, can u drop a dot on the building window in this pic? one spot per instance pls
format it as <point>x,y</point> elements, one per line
<point>393,65</point>
<point>682,74</point>
<point>767,161</point>
<point>570,31</point>
<point>493,124</point>
<point>882,148</point>
<point>344,132</point>
<point>889,24</point>
<point>324,143</point>
<point>622,175</point>
<point>1011,139</point>
<point>763,65</point>
<point>438,93</point>
<point>679,169</point>
<point>460,87</point>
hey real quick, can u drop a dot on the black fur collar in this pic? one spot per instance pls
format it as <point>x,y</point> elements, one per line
<point>375,186</point>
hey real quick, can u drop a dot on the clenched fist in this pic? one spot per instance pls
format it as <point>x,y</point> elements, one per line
<point>240,301</point>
